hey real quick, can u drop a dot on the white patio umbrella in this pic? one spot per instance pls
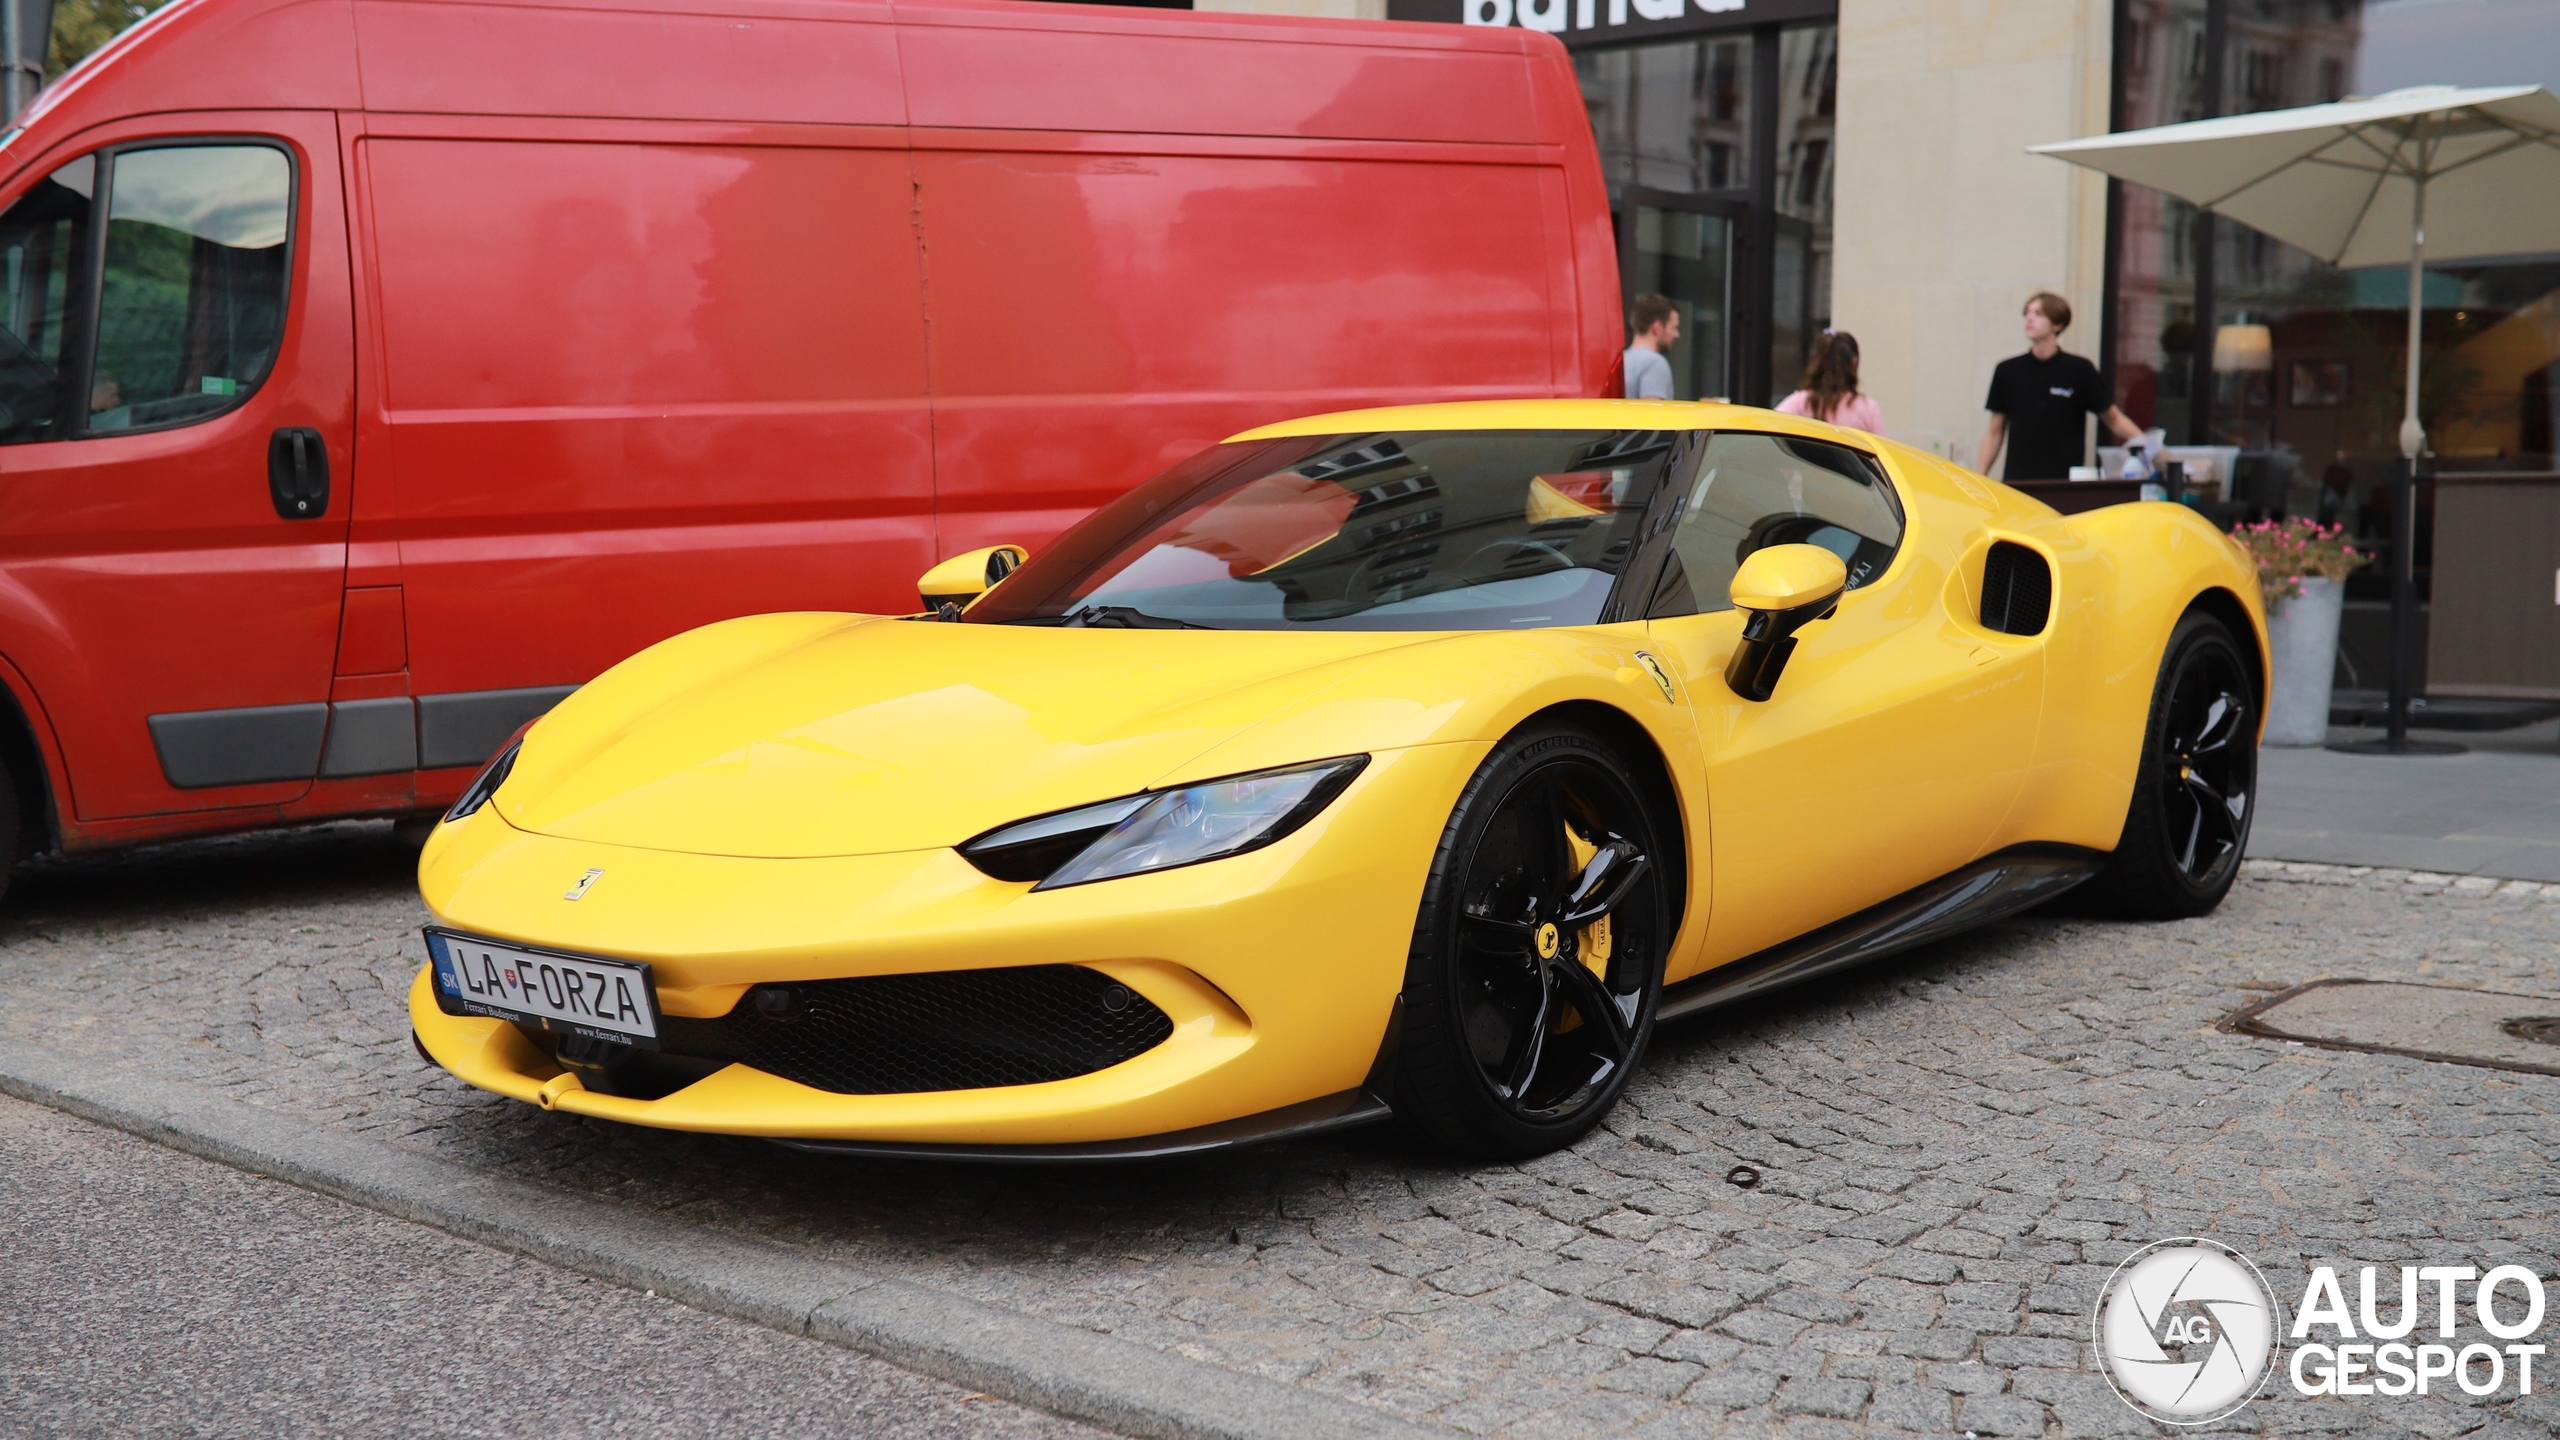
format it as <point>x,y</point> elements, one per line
<point>2432,170</point>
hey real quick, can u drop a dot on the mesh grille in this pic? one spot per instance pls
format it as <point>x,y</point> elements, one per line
<point>949,1030</point>
<point>2017,590</point>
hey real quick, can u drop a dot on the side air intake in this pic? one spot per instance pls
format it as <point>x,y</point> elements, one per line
<point>2017,590</point>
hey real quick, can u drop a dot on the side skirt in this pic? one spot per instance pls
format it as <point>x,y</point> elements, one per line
<point>1320,1116</point>
<point>1990,888</point>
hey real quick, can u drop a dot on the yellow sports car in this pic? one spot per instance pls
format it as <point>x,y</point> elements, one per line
<point>1412,762</point>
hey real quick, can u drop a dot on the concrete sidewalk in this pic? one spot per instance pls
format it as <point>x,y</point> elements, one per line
<point>153,1294</point>
<point>2493,811</point>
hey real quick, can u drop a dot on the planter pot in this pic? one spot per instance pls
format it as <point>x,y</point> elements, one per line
<point>2303,634</point>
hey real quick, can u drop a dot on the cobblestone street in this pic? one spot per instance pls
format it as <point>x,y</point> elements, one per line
<point>1956,1147</point>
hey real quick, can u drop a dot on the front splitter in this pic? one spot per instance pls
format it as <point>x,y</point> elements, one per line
<point>1343,1110</point>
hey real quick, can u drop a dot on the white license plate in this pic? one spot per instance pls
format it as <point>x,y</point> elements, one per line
<point>579,994</point>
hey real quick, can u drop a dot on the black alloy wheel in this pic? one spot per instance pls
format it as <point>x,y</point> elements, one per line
<point>1537,958</point>
<point>2196,793</point>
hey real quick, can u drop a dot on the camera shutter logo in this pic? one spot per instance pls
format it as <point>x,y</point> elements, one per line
<point>2186,1331</point>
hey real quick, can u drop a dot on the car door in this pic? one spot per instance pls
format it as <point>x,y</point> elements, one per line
<point>1900,732</point>
<point>177,371</point>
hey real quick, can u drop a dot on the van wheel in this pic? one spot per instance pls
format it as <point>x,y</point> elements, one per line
<point>2196,792</point>
<point>1536,965</point>
<point>16,843</point>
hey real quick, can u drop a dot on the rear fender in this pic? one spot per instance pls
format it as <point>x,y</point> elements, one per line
<point>2123,578</point>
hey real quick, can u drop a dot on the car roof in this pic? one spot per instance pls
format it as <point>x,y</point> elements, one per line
<point>1558,415</point>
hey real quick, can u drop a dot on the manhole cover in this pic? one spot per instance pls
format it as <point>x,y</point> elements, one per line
<point>2429,1022</point>
<point>2540,1029</point>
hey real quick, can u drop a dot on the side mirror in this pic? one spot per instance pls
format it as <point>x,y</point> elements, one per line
<point>947,588</point>
<point>1779,591</point>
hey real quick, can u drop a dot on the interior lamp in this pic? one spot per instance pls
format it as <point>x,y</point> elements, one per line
<point>2241,348</point>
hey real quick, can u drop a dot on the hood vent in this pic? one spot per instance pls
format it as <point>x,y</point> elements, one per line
<point>2017,590</point>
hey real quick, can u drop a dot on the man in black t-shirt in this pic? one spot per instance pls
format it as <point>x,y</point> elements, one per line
<point>2037,400</point>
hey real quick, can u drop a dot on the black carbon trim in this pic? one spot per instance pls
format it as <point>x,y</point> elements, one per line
<point>1343,1110</point>
<point>1986,890</point>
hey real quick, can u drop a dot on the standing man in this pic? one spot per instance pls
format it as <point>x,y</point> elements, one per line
<point>2037,400</point>
<point>1656,326</point>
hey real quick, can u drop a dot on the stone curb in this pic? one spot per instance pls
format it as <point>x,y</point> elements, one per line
<point>2384,877</point>
<point>1106,1381</point>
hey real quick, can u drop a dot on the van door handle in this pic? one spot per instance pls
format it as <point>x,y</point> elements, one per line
<point>298,473</point>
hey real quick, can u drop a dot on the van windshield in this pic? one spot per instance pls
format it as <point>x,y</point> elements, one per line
<point>1417,530</point>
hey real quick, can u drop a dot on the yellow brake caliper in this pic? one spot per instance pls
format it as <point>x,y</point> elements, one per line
<point>1592,942</point>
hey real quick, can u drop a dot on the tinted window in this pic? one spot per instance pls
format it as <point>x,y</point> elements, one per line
<point>1753,491</point>
<point>192,303</point>
<point>1421,530</point>
<point>43,240</point>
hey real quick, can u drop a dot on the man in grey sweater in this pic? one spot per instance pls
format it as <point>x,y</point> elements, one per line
<point>1656,327</point>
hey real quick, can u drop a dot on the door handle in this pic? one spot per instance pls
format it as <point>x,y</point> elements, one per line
<point>298,473</point>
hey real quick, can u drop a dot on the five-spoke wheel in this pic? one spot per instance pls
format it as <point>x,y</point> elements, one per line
<point>1537,961</point>
<point>2207,762</point>
<point>2193,800</point>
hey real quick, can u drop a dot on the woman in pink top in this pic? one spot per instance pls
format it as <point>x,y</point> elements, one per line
<point>1829,390</point>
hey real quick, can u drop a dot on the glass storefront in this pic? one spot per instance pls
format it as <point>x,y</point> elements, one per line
<point>2222,336</point>
<point>1718,151</point>
<point>1673,116</point>
<point>1800,288</point>
<point>1673,123</point>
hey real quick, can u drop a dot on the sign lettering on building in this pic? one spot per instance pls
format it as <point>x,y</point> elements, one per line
<point>1581,23</point>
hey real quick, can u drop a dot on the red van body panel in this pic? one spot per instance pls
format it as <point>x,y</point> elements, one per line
<point>833,63</point>
<point>232,55</point>
<point>720,410</point>
<point>620,319</point>
<point>1004,66</point>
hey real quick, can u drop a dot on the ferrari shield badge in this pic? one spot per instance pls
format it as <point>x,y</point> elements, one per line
<point>585,883</point>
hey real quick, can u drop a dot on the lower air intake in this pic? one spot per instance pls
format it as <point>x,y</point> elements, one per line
<point>948,1030</point>
<point>2017,590</point>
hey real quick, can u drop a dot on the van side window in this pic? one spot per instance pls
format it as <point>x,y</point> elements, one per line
<point>192,303</point>
<point>1754,491</point>
<point>43,241</point>
<point>185,316</point>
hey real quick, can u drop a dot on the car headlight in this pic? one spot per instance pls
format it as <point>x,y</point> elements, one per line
<point>1163,828</point>
<point>477,793</point>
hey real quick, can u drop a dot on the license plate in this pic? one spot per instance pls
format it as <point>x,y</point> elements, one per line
<point>576,994</point>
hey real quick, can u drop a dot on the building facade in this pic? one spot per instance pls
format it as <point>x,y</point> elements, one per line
<point>2220,335</point>
<point>1779,166</point>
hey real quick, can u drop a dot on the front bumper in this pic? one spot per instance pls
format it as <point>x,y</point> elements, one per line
<point>1279,968</point>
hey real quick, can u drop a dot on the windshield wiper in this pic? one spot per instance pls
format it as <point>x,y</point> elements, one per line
<point>1124,617</point>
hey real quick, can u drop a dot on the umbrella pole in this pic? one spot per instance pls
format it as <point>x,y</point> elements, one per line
<point>2404,477</point>
<point>2404,500</point>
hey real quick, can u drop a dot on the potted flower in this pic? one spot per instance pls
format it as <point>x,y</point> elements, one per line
<point>2302,572</point>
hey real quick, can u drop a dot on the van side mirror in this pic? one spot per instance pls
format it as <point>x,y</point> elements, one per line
<point>1779,591</point>
<point>947,588</point>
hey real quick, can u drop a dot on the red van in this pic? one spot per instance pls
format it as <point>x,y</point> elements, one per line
<point>375,371</point>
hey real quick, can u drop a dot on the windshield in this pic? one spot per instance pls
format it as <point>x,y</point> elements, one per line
<point>1417,530</point>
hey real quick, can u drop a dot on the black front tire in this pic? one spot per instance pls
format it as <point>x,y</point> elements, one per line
<point>1536,965</point>
<point>2196,793</point>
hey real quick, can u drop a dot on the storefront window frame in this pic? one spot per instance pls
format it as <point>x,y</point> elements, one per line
<point>1755,373</point>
